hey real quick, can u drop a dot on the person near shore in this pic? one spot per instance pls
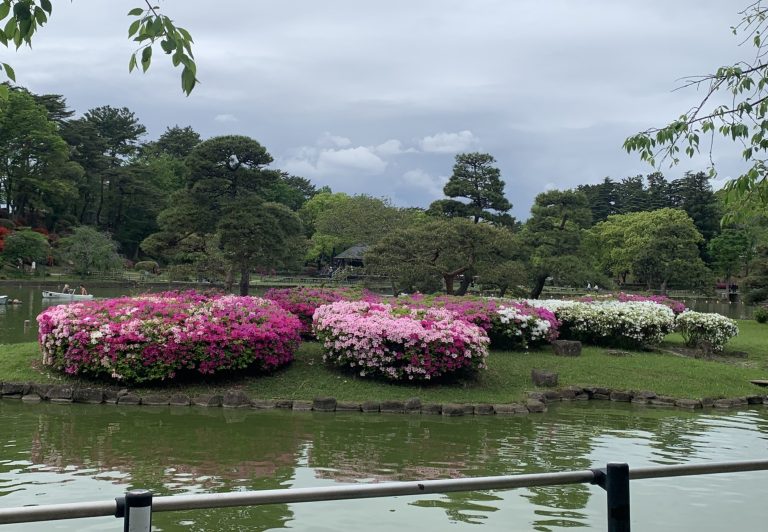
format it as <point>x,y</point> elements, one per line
<point>83,291</point>
<point>65,290</point>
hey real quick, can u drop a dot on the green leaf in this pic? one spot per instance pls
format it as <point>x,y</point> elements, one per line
<point>187,80</point>
<point>9,72</point>
<point>135,12</point>
<point>132,63</point>
<point>21,11</point>
<point>146,58</point>
<point>40,16</point>
<point>4,92</point>
<point>185,34</point>
<point>134,27</point>
<point>10,28</point>
<point>4,10</point>
<point>46,5</point>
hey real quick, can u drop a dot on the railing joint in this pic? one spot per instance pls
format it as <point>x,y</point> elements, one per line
<point>600,477</point>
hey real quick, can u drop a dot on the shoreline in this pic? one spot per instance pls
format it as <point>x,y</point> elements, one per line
<point>29,392</point>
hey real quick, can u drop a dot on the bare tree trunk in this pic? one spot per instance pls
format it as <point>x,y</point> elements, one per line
<point>538,286</point>
<point>245,280</point>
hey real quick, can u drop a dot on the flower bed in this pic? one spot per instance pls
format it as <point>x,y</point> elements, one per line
<point>151,338</point>
<point>707,330</point>
<point>303,301</point>
<point>399,342</point>
<point>676,306</point>
<point>612,323</point>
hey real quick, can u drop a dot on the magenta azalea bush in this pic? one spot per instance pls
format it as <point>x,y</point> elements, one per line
<point>151,338</point>
<point>303,301</point>
<point>399,342</point>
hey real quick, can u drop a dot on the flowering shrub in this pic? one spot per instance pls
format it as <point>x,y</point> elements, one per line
<point>519,325</point>
<point>478,311</point>
<point>630,324</point>
<point>153,337</point>
<point>509,324</point>
<point>698,328</point>
<point>303,301</point>
<point>398,342</point>
<point>676,306</point>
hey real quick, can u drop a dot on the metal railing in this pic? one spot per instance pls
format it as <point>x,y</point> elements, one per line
<point>137,506</point>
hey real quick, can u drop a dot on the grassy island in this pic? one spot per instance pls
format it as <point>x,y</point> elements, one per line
<point>665,370</point>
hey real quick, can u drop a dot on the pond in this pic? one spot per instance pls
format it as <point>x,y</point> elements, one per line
<point>66,453</point>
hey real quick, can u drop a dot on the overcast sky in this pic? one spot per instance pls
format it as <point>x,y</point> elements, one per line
<point>377,97</point>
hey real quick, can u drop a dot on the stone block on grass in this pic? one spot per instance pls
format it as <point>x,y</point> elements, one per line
<point>88,395</point>
<point>302,406</point>
<point>566,348</point>
<point>179,399</point>
<point>432,409</point>
<point>453,410</point>
<point>347,406</point>
<point>128,399</point>
<point>484,410</point>
<point>212,400</point>
<point>413,405</point>
<point>541,377</point>
<point>535,407</point>
<point>155,400</point>
<point>370,406</point>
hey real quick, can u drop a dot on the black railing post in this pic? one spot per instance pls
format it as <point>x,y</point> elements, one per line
<point>617,488</point>
<point>136,511</point>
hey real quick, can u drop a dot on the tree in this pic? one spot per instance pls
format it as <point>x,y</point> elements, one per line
<point>227,177</point>
<point>341,221</point>
<point>26,247</point>
<point>89,250</point>
<point>693,194</point>
<point>260,234</point>
<point>475,179</point>
<point>656,247</point>
<point>553,237</point>
<point>20,20</point>
<point>744,119</point>
<point>176,142</point>
<point>35,174</point>
<point>436,252</point>
<point>729,252</point>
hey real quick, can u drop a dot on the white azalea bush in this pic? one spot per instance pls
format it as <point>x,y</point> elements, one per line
<point>520,326</point>
<point>617,324</point>
<point>698,328</point>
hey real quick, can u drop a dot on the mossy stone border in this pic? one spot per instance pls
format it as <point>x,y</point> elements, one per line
<point>236,398</point>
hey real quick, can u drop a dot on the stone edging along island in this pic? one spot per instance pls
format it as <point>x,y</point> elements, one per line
<point>235,398</point>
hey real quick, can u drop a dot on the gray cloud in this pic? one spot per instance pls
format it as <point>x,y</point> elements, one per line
<point>378,97</point>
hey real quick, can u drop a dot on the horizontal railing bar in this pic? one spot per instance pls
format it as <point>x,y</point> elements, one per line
<point>696,469</point>
<point>169,503</point>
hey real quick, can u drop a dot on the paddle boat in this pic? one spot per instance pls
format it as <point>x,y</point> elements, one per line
<point>47,294</point>
<point>3,300</point>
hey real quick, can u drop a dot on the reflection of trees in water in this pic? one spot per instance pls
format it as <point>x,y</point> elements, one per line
<point>176,451</point>
<point>189,450</point>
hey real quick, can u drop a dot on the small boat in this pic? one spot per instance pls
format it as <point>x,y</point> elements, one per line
<point>47,294</point>
<point>3,300</point>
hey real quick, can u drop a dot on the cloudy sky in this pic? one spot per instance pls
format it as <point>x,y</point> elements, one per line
<point>377,97</point>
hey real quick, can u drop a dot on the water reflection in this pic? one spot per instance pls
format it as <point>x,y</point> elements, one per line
<point>60,453</point>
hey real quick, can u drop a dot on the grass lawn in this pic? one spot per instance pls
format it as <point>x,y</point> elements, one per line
<point>506,380</point>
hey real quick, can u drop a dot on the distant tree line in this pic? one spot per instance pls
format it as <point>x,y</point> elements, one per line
<point>90,193</point>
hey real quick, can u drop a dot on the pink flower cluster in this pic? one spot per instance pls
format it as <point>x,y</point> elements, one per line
<point>303,301</point>
<point>153,337</point>
<point>399,342</point>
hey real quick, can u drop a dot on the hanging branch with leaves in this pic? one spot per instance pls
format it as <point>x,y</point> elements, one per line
<point>21,19</point>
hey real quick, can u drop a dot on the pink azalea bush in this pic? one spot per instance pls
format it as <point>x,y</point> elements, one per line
<point>303,301</point>
<point>399,342</point>
<point>153,337</point>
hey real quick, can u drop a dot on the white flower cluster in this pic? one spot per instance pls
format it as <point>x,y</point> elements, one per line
<point>527,329</point>
<point>633,323</point>
<point>552,305</point>
<point>699,327</point>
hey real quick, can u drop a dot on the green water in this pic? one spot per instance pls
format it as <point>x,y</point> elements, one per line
<point>65,453</point>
